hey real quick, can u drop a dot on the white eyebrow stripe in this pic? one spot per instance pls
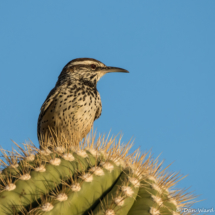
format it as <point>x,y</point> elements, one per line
<point>85,62</point>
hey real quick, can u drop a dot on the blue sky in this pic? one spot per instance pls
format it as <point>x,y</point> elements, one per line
<point>166,102</point>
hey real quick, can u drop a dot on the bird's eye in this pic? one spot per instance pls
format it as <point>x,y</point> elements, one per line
<point>93,66</point>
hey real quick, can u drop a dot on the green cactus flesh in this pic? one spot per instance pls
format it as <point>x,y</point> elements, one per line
<point>95,178</point>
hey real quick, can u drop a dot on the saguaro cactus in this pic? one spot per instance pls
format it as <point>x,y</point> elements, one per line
<point>97,177</point>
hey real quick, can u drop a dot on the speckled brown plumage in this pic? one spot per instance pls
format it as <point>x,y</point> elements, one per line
<point>74,103</point>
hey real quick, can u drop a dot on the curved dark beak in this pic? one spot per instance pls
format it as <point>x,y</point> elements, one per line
<point>113,69</point>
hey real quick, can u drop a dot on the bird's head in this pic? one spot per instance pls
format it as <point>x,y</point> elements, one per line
<point>86,69</point>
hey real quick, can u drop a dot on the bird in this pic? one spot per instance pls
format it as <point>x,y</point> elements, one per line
<point>73,105</point>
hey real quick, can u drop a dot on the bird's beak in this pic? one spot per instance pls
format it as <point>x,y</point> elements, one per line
<point>113,69</point>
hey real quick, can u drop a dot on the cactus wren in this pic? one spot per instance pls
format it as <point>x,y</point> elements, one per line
<point>74,103</point>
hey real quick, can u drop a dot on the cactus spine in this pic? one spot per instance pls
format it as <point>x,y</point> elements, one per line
<point>97,177</point>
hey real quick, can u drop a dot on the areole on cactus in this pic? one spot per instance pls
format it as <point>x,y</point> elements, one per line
<point>98,177</point>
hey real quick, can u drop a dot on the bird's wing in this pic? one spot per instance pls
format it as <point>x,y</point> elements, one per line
<point>50,98</point>
<point>99,109</point>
